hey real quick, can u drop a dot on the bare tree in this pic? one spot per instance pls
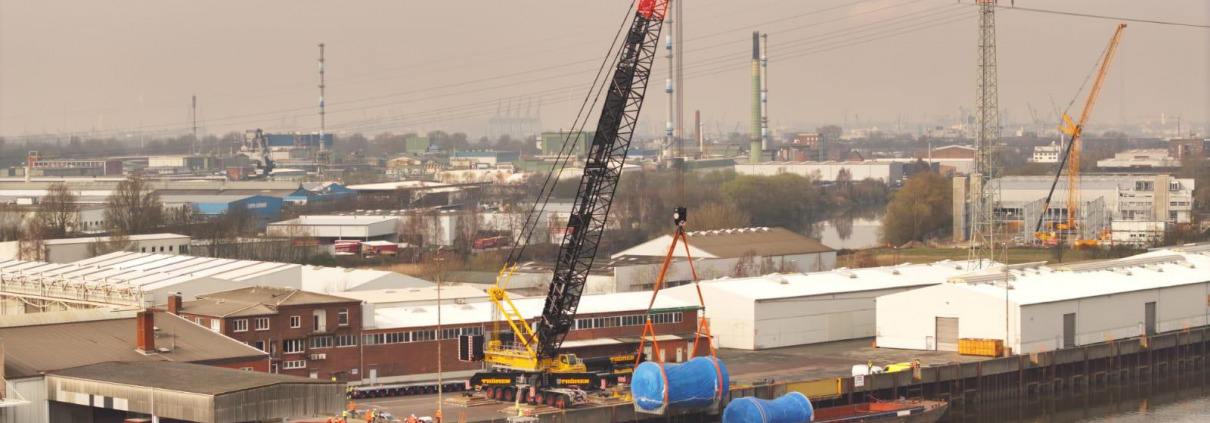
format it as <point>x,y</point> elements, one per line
<point>718,216</point>
<point>11,216</point>
<point>134,208</point>
<point>58,214</point>
<point>32,246</point>
<point>469,224</point>
<point>116,241</point>
<point>745,266</point>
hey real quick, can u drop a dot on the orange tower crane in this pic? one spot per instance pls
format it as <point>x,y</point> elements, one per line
<point>1071,160</point>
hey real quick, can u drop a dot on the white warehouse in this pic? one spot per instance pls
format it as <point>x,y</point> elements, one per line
<point>782,310</point>
<point>1052,307</point>
<point>889,172</point>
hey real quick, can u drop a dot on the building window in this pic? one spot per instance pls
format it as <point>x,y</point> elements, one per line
<point>296,322</point>
<point>239,325</point>
<point>169,248</point>
<point>246,369</point>
<point>342,318</point>
<point>260,345</point>
<point>201,321</point>
<point>262,323</point>
<point>293,346</point>
<point>319,320</point>
<point>216,325</point>
<point>321,342</point>
<point>346,340</point>
<point>294,364</point>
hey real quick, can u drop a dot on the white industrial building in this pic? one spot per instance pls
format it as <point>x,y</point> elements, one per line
<point>782,310</point>
<point>721,253</point>
<point>1104,200</point>
<point>331,280</point>
<point>330,228</point>
<point>1051,307</point>
<point>125,278</point>
<point>889,172</point>
<point>1143,159</point>
<point>67,250</point>
<point>1047,153</point>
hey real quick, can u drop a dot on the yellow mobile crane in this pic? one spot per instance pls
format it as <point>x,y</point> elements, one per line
<point>1071,158</point>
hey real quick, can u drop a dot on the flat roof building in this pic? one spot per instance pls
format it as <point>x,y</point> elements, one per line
<point>67,250</point>
<point>331,228</point>
<point>782,310</point>
<point>187,392</point>
<point>1048,307</point>
<point>888,172</point>
<point>43,343</point>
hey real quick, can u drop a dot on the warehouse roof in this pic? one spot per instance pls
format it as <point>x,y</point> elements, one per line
<point>417,294</point>
<point>337,220</point>
<point>1062,282</point>
<point>148,271</point>
<point>61,340</point>
<point>390,186</point>
<point>481,312</point>
<point>90,240</point>
<point>732,243</point>
<point>182,377</point>
<point>277,296</point>
<point>795,285</point>
<point>256,301</point>
<point>340,279</point>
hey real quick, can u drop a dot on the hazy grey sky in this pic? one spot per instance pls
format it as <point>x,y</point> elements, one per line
<point>79,65</point>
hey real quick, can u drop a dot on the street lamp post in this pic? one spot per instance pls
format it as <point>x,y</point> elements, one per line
<point>440,339</point>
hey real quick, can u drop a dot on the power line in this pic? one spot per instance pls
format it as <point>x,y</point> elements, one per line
<point>809,45</point>
<point>1114,18</point>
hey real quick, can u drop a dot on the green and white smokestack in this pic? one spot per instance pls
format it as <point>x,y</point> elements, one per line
<point>755,148</point>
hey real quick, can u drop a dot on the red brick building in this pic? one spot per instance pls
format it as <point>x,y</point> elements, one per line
<point>305,333</point>
<point>399,343</point>
<point>606,325</point>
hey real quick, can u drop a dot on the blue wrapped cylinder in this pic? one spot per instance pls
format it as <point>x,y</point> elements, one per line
<point>789,408</point>
<point>692,384</point>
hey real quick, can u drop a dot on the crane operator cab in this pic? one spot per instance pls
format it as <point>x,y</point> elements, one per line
<point>569,363</point>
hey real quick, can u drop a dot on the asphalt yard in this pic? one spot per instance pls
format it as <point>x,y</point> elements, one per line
<point>809,362</point>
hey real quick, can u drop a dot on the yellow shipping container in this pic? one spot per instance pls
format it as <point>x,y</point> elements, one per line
<point>981,347</point>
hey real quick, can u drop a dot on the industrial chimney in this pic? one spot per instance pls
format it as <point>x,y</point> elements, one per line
<point>145,331</point>
<point>755,153</point>
<point>174,303</point>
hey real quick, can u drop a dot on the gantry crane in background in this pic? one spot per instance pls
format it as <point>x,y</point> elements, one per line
<point>1071,157</point>
<point>531,357</point>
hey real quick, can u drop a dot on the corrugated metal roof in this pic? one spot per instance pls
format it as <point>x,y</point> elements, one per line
<point>183,377</point>
<point>1153,270</point>
<point>732,243</point>
<point>33,349</point>
<point>797,285</point>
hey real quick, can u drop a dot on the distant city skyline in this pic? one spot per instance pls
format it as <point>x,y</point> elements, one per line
<point>76,66</point>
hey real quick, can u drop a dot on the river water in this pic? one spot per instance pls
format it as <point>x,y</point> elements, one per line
<point>1169,400</point>
<point>849,232</point>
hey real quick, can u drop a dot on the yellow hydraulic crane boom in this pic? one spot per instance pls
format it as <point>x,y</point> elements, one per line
<point>1076,130</point>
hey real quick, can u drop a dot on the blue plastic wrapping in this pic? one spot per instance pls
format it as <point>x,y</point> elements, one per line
<point>692,384</point>
<point>789,408</point>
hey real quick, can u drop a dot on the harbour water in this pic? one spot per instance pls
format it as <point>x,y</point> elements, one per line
<point>1169,400</point>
